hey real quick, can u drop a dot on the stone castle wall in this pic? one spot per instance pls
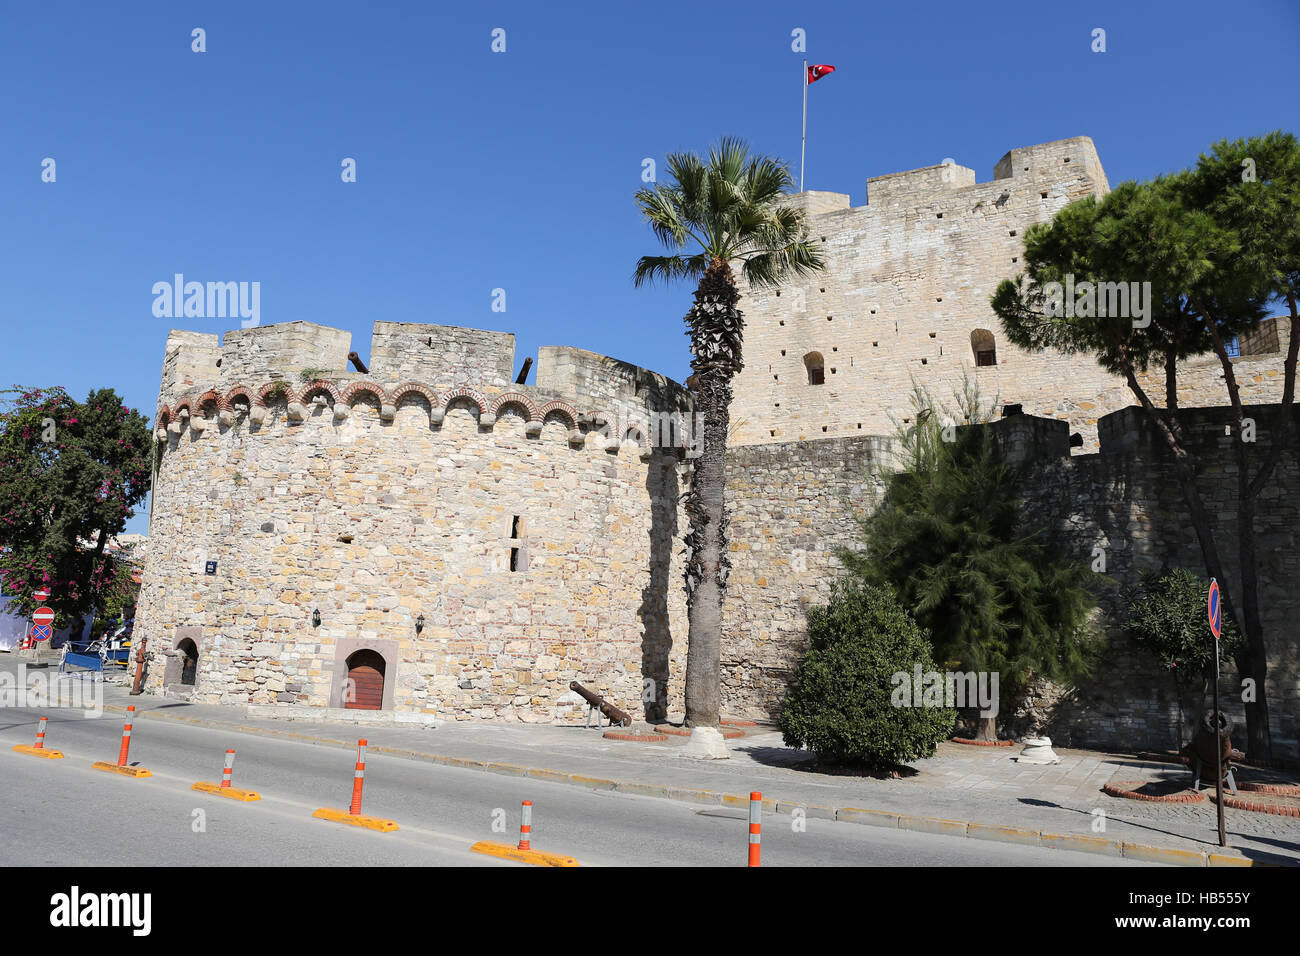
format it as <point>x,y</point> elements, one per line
<point>375,502</point>
<point>793,504</point>
<point>905,298</point>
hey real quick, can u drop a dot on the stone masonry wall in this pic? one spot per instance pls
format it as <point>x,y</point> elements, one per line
<point>791,507</point>
<point>1127,501</point>
<point>376,505</point>
<point>441,355</point>
<point>905,298</point>
<point>793,504</point>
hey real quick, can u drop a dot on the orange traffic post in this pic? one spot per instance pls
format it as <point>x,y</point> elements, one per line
<point>123,752</point>
<point>38,749</point>
<point>224,789</point>
<point>354,816</point>
<point>125,749</point>
<point>526,827</point>
<point>358,778</point>
<point>524,852</point>
<point>755,827</point>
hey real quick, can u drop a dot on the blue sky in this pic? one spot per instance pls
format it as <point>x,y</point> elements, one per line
<point>479,170</point>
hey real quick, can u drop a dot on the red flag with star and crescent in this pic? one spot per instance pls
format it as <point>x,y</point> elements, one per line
<point>818,70</point>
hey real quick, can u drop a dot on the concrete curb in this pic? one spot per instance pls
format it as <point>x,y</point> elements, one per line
<point>958,828</point>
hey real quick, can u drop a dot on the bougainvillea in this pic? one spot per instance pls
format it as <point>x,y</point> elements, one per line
<point>71,474</point>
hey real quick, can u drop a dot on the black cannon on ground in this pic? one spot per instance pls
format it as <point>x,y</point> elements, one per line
<point>1200,752</point>
<point>601,706</point>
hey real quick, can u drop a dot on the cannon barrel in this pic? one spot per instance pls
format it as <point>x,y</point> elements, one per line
<point>600,703</point>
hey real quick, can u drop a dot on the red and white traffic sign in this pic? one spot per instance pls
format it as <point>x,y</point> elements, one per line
<point>41,596</point>
<point>1215,609</point>
<point>43,616</point>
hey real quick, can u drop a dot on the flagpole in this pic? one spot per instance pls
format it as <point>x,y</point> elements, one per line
<point>804,141</point>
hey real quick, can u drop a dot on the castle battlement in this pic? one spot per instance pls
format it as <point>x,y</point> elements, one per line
<point>257,370</point>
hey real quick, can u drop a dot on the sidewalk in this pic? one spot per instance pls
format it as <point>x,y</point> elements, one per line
<point>977,792</point>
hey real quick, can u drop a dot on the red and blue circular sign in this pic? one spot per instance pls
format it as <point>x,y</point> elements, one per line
<point>1215,609</point>
<point>42,632</point>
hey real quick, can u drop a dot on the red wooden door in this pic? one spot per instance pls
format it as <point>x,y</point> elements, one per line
<point>366,681</point>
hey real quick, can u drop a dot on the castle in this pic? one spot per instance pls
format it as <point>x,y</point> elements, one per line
<point>424,538</point>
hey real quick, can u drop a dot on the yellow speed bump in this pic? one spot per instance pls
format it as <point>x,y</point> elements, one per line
<point>234,793</point>
<point>535,857</point>
<point>124,771</point>
<point>356,819</point>
<point>38,751</point>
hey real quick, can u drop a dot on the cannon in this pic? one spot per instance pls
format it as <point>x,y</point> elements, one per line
<point>600,704</point>
<point>1200,752</point>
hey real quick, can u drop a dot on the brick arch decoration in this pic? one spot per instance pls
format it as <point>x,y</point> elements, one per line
<point>356,388</point>
<point>265,390</point>
<point>414,388</point>
<point>515,398</point>
<point>320,385</point>
<point>170,416</point>
<point>638,433</point>
<point>562,408</point>
<point>473,395</point>
<point>209,396</point>
<point>239,391</point>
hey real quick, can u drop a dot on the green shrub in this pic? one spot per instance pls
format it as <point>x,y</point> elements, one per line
<point>839,705</point>
<point>1166,614</point>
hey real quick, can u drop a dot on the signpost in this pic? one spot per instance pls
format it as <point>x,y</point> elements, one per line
<point>42,624</point>
<point>1215,610</point>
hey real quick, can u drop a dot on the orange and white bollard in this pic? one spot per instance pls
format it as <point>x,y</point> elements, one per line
<point>526,827</point>
<point>228,770</point>
<point>38,749</point>
<point>126,737</point>
<point>755,827</point>
<point>123,752</point>
<point>224,788</point>
<point>354,816</point>
<point>358,778</point>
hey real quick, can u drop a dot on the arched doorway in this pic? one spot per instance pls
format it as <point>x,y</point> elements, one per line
<point>189,662</point>
<point>364,689</point>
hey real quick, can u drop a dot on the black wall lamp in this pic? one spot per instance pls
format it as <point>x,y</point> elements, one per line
<point>419,624</point>
<point>315,618</point>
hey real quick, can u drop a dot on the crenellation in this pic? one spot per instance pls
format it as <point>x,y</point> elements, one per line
<point>189,359</point>
<point>905,298</point>
<point>281,350</point>
<point>442,354</point>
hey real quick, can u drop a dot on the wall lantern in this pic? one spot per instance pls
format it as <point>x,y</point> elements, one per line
<point>419,624</point>
<point>315,618</point>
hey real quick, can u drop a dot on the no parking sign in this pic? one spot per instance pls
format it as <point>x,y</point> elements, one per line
<point>1215,609</point>
<point>42,624</point>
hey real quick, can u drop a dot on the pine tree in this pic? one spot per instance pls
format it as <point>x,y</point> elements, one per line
<point>950,538</point>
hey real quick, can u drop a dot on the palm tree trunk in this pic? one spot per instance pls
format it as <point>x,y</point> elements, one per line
<point>715,325</point>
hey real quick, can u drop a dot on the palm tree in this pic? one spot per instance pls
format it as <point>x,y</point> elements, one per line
<point>731,211</point>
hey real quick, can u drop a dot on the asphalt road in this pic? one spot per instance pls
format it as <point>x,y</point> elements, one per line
<point>63,812</point>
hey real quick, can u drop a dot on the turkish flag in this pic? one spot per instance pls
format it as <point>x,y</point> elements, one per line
<point>818,70</point>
